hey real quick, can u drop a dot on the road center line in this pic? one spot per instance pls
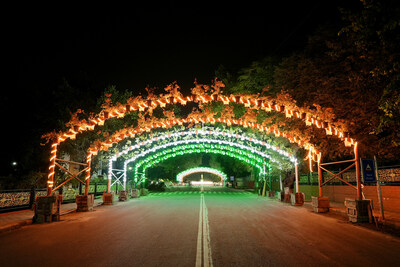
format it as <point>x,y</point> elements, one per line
<point>199,239</point>
<point>203,253</point>
<point>206,238</point>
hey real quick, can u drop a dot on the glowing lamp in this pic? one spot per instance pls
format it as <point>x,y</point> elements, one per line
<point>328,130</point>
<point>347,142</point>
<point>120,114</point>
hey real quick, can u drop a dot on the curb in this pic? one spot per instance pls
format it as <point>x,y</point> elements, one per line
<point>15,226</point>
<point>21,223</point>
<point>394,225</point>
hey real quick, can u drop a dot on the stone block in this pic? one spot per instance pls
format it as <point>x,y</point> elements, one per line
<point>123,195</point>
<point>47,209</point>
<point>84,202</point>
<point>297,199</point>
<point>320,204</point>
<point>358,210</point>
<point>108,198</point>
<point>135,193</point>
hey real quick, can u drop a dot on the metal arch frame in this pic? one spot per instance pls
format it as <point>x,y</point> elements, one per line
<point>229,154</point>
<point>195,141</point>
<point>214,151</point>
<point>268,146</point>
<point>214,133</point>
<point>208,140</point>
<point>247,100</point>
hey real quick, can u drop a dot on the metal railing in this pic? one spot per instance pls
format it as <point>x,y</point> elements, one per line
<point>387,176</point>
<point>19,199</point>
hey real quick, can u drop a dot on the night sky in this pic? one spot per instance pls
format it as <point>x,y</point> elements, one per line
<point>132,47</point>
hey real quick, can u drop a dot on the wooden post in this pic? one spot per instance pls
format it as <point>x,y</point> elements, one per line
<point>378,187</point>
<point>52,169</point>
<point>88,160</point>
<point>319,178</point>
<point>265,181</point>
<point>358,172</point>
<point>296,170</point>
<point>108,186</point>
<point>87,187</point>
<point>264,188</point>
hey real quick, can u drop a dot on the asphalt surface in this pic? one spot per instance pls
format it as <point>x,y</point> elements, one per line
<point>198,229</point>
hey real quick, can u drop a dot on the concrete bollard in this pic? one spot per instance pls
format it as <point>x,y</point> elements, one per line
<point>271,194</point>
<point>358,210</point>
<point>108,198</point>
<point>297,199</point>
<point>47,209</point>
<point>123,195</point>
<point>135,193</point>
<point>84,202</point>
<point>320,204</point>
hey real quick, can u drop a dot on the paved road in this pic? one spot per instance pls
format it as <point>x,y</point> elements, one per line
<point>198,229</point>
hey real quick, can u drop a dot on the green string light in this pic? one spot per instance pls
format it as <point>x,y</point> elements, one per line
<point>244,156</point>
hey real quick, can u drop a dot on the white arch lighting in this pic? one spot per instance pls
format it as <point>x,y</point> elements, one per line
<point>185,173</point>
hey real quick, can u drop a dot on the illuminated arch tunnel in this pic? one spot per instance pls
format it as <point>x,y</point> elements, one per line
<point>180,177</point>
<point>223,144</point>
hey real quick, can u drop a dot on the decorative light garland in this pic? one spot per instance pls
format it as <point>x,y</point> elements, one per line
<point>187,172</point>
<point>245,156</point>
<point>180,153</point>
<point>174,96</point>
<point>206,133</point>
<point>119,111</point>
<point>130,132</point>
<point>210,144</point>
<point>229,146</point>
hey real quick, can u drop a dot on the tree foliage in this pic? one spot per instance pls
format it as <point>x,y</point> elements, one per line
<point>349,70</point>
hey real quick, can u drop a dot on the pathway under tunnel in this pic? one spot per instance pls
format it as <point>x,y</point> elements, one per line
<point>217,226</point>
